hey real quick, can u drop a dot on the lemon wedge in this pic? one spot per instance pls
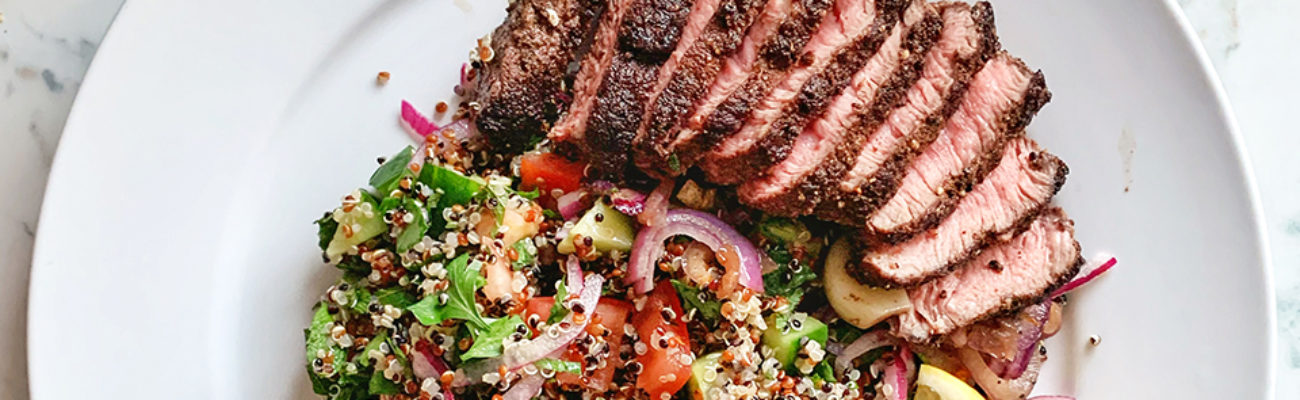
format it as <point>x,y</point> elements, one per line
<point>936,384</point>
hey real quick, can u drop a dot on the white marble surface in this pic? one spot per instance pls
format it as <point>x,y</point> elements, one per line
<point>46,46</point>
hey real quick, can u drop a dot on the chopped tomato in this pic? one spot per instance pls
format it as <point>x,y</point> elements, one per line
<point>666,364</point>
<point>611,315</point>
<point>549,171</point>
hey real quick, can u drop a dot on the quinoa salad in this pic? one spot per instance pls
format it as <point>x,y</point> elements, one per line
<point>471,272</point>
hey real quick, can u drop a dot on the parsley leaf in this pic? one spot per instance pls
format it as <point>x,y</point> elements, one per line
<point>386,177</point>
<point>558,311</point>
<point>710,310</point>
<point>552,214</point>
<point>325,231</point>
<point>455,188</point>
<point>394,296</point>
<point>674,162</point>
<point>373,344</point>
<point>531,194</point>
<point>414,230</point>
<point>318,336</point>
<point>527,254</point>
<point>788,282</point>
<point>489,343</point>
<point>360,300</point>
<point>559,365</point>
<point>465,280</point>
<point>381,385</point>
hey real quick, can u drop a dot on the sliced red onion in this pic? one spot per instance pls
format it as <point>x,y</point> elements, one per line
<point>570,204</point>
<point>602,187</point>
<point>656,204</point>
<point>867,342</point>
<point>1090,272</point>
<point>628,201</point>
<point>424,364</point>
<point>526,388</point>
<point>416,124</point>
<point>704,228</point>
<point>574,272</point>
<point>1027,344</point>
<point>895,386</point>
<point>554,338</point>
<point>994,386</point>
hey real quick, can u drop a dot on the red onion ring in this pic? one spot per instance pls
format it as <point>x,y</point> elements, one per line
<point>865,343</point>
<point>424,364</point>
<point>994,386</point>
<point>417,124</point>
<point>656,205</point>
<point>574,270</point>
<point>554,337</point>
<point>526,388</point>
<point>1026,344</point>
<point>1085,276</point>
<point>894,382</point>
<point>570,204</point>
<point>704,228</point>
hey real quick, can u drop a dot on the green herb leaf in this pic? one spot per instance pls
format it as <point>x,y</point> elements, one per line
<point>709,310</point>
<point>527,252</point>
<point>386,177</point>
<point>372,345</point>
<point>454,187</point>
<point>531,194</point>
<point>557,310</point>
<point>360,299</point>
<point>326,226</point>
<point>559,365</point>
<point>552,214</point>
<point>674,163</point>
<point>823,370</point>
<point>394,296</point>
<point>788,283</point>
<point>381,385</point>
<point>318,336</point>
<point>489,343</point>
<point>319,385</point>
<point>465,280</point>
<point>414,231</point>
<point>354,264</point>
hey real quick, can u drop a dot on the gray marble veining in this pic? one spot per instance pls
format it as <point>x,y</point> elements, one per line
<point>47,45</point>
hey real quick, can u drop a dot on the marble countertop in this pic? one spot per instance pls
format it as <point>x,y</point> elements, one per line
<point>47,45</point>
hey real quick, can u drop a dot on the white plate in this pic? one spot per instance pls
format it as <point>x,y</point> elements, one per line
<point>176,258</point>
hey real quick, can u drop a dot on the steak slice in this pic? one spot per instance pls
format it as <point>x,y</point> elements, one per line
<point>1003,97</point>
<point>698,66</point>
<point>591,72</point>
<point>647,38</point>
<point>896,65</point>
<point>773,55</point>
<point>858,178</point>
<point>733,72</point>
<point>852,23</point>
<point>1017,190</point>
<point>520,86</point>
<point>1004,277</point>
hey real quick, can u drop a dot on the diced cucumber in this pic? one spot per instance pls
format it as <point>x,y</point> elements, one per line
<point>607,228</point>
<point>704,376</point>
<point>786,334</point>
<point>362,222</point>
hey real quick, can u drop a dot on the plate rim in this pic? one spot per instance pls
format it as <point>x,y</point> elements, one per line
<point>60,164</point>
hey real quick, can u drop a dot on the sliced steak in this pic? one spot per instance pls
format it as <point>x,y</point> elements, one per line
<point>694,71</point>
<point>895,66</point>
<point>591,72</point>
<point>1003,97</point>
<point>647,38</point>
<point>520,87</point>
<point>858,177</point>
<point>1006,276</point>
<point>733,72</point>
<point>853,23</point>
<point>773,58</point>
<point>1017,190</point>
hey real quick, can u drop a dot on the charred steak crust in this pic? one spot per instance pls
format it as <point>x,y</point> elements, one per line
<point>616,115</point>
<point>811,101</point>
<point>1014,123</point>
<point>801,198</point>
<point>776,56</point>
<point>854,208</point>
<point>519,89</point>
<point>1011,305</point>
<point>870,274</point>
<point>652,28</point>
<point>695,72</point>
